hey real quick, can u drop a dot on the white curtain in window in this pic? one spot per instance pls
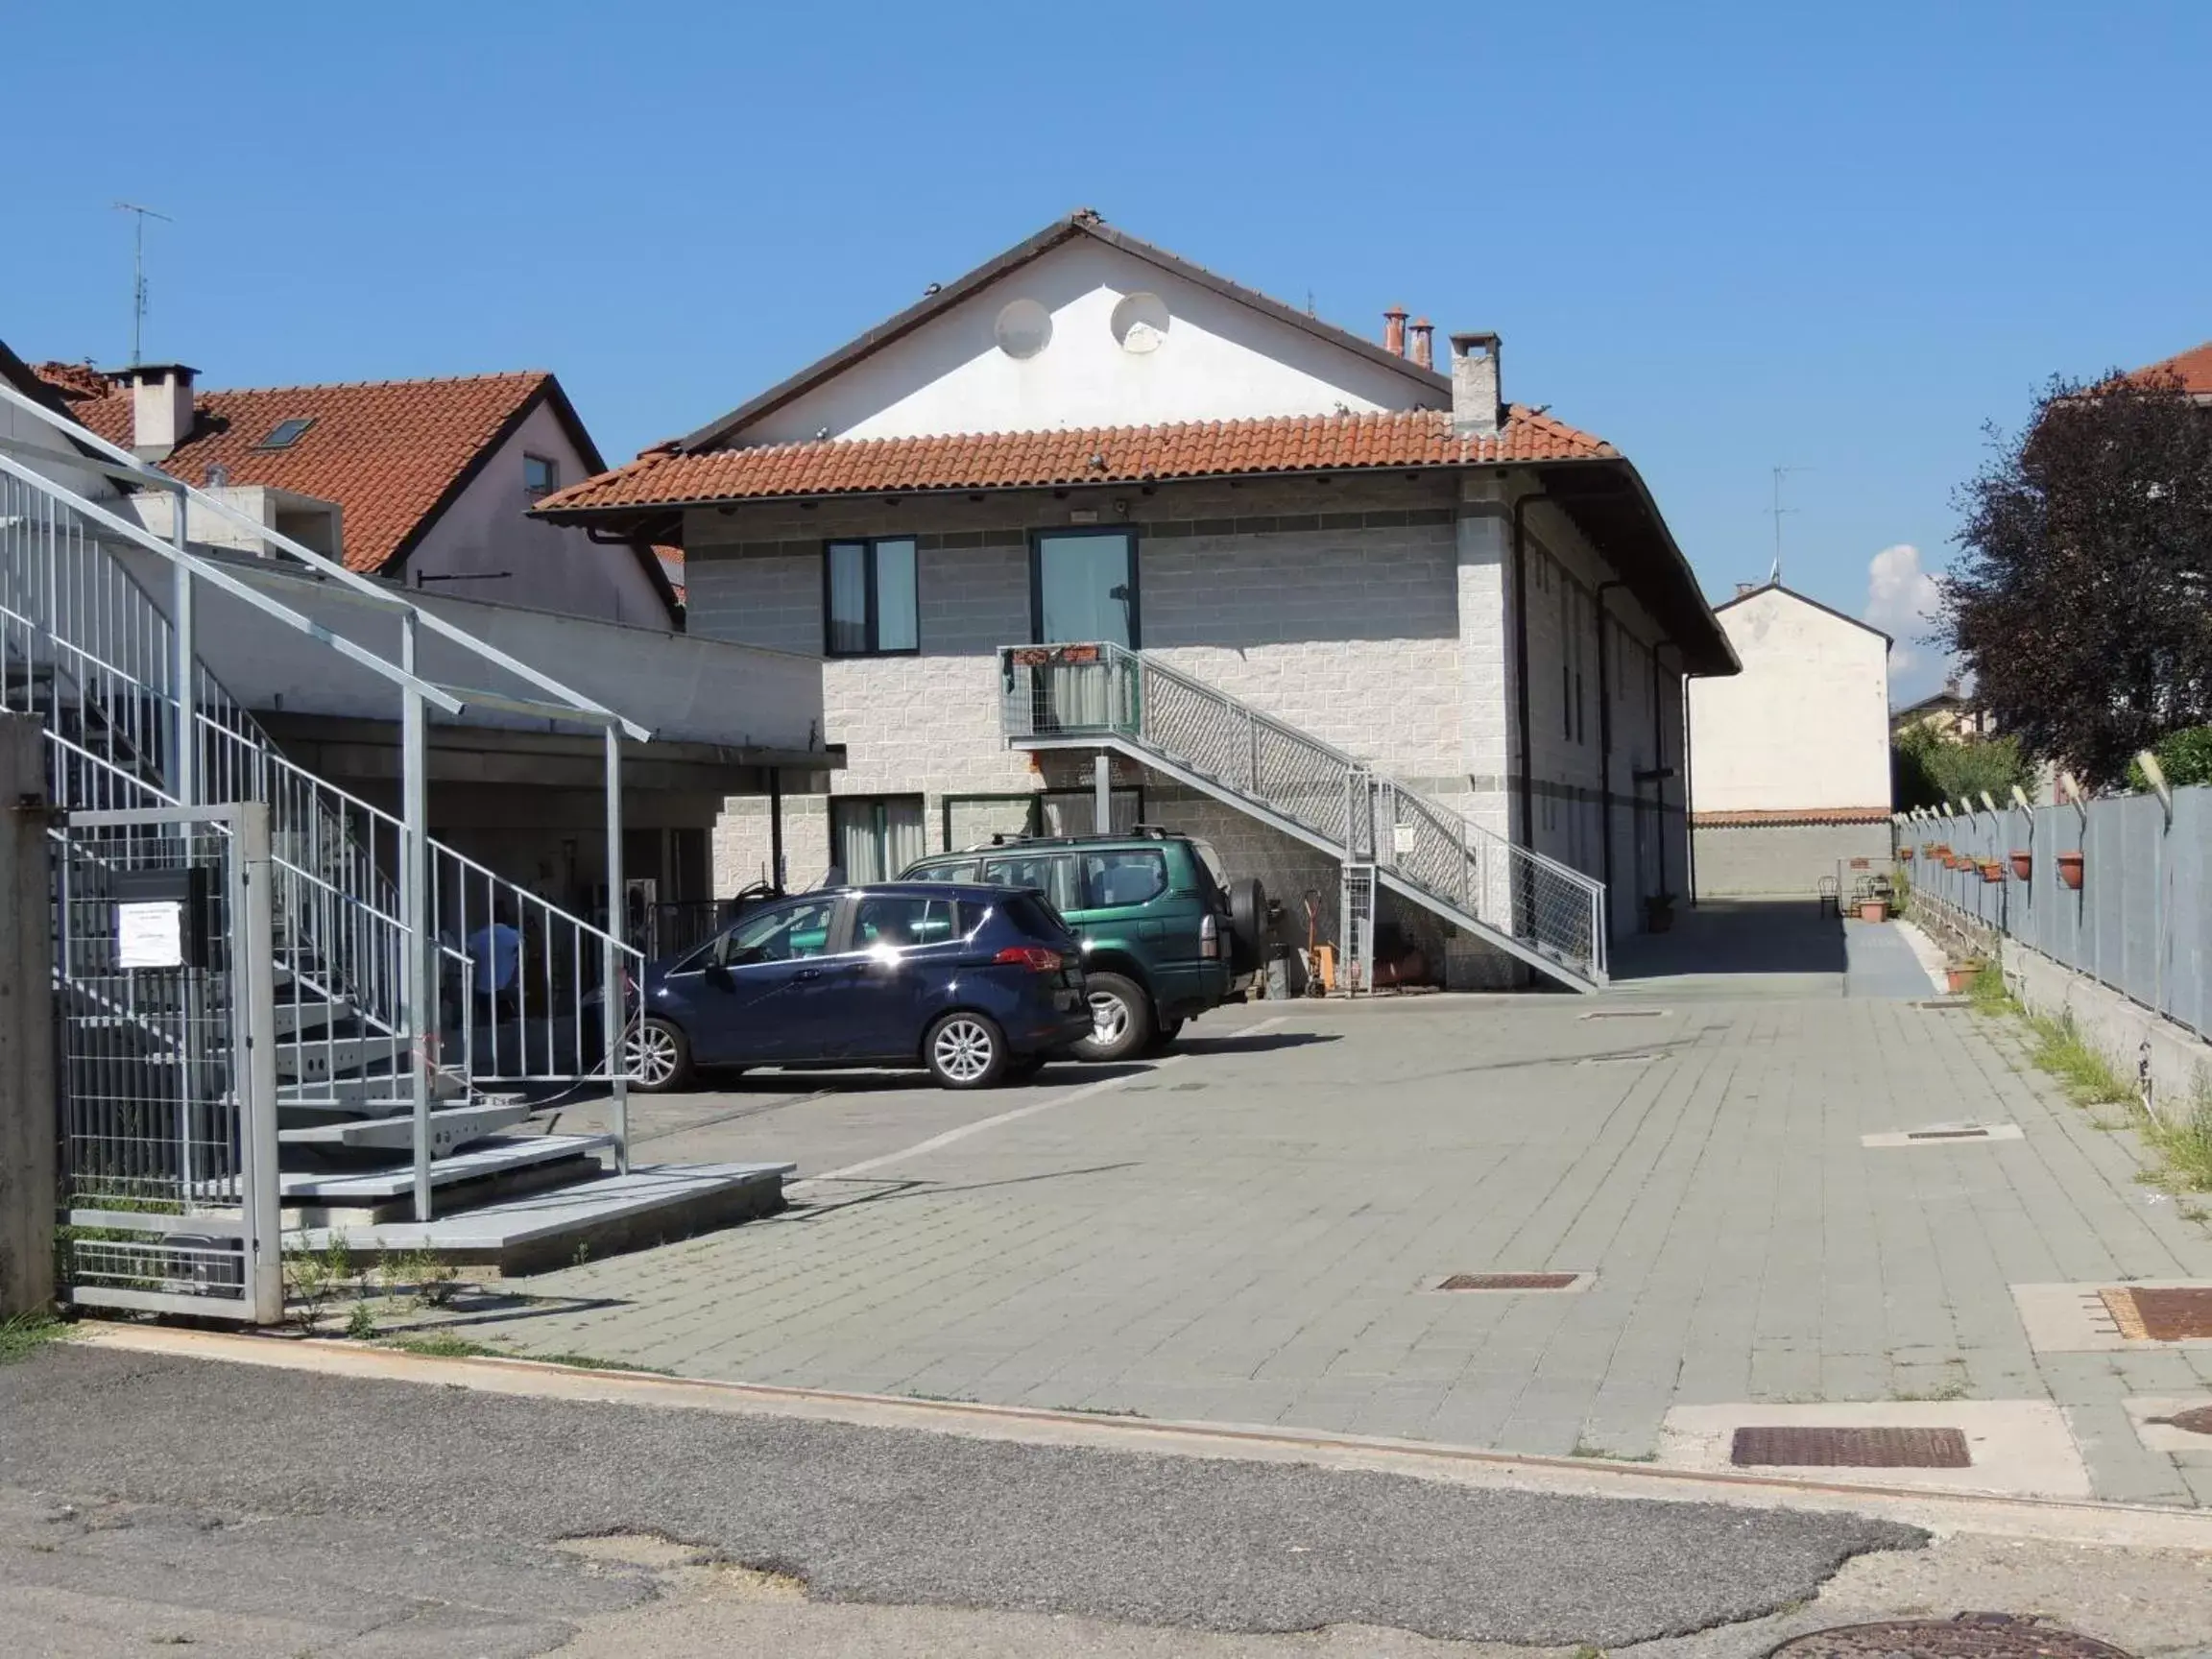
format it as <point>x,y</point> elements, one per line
<point>878,837</point>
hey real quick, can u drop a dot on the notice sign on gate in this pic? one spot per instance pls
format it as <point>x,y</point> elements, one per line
<point>150,933</point>
<point>162,917</point>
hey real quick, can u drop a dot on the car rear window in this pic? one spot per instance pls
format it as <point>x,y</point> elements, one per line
<point>954,870</point>
<point>1111,880</point>
<point>1035,915</point>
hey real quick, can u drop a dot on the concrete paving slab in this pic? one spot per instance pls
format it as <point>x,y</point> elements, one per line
<point>2022,1447</point>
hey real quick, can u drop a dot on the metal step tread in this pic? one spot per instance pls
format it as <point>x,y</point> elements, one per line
<point>493,1157</point>
<point>514,1221</point>
<point>453,1127</point>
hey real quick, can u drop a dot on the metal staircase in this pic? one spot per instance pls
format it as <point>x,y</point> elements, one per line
<point>1384,833</point>
<point>380,1040</point>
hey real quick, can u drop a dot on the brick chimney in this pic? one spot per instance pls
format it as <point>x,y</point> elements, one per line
<point>1394,330</point>
<point>1477,403</point>
<point>160,407</point>
<point>1420,337</point>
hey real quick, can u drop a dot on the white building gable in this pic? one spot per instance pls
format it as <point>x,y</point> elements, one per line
<point>1090,334</point>
<point>1806,725</point>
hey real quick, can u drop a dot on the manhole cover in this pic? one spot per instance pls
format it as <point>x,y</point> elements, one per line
<point>2197,1420</point>
<point>1508,1281</point>
<point>1947,1135</point>
<point>1969,1636</point>
<point>1849,1449</point>
<point>2171,1315</point>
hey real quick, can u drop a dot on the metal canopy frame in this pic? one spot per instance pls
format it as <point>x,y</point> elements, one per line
<point>563,703</point>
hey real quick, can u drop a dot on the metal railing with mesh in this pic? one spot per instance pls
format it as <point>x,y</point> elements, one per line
<point>1107,692</point>
<point>86,649</point>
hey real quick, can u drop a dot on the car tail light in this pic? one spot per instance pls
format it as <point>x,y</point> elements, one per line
<point>1034,957</point>
<point>1209,937</point>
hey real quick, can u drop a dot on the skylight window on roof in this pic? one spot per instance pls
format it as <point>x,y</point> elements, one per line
<point>286,433</point>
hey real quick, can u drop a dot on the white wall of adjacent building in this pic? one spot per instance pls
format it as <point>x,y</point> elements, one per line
<point>1806,725</point>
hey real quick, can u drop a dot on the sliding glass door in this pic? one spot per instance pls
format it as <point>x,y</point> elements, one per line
<point>1082,590</point>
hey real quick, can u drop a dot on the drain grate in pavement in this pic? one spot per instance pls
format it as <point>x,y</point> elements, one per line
<point>1946,1134</point>
<point>2197,1420</point>
<point>2178,1314</point>
<point>1509,1281</point>
<point>1616,1059</point>
<point>1800,1447</point>
<point>1968,1636</point>
<point>1626,1014</point>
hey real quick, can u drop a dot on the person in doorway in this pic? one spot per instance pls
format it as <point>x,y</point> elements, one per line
<point>495,949</point>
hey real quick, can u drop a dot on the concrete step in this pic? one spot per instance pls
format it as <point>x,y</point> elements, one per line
<point>538,1231</point>
<point>500,1167</point>
<point>451,1130</point>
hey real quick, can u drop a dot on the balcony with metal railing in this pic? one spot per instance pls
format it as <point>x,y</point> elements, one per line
<point>1103,695</point>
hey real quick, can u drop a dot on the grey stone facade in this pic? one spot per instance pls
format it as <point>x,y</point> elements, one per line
<point>1778,861</point>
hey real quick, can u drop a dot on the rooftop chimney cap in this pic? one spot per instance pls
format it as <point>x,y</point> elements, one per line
<point>1420,345</point>
<point>1394,330</point>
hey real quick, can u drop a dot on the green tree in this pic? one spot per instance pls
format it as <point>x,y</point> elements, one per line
<point>1928,767</point>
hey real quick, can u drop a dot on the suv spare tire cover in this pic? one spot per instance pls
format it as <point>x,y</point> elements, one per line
<point>1247,926</point>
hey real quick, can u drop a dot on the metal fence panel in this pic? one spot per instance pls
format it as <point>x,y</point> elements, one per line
<point>2188,918</point>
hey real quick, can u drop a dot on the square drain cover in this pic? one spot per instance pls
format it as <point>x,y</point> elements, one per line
<point>2170,1316</point>
<point>1509,1281</point>
<point>1850,1449</point>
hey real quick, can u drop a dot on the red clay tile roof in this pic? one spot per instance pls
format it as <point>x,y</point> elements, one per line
<point>2193,367</point>
<point>671,566</point>
<point>74,380</point>
<point>389,452</point>
<point>1097,455</point>
<point>1751,817</point>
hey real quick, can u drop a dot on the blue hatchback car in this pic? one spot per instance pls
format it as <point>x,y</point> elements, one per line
<point>977,985</point>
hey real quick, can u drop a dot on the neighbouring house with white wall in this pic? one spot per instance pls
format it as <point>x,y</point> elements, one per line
<point>1362,566</point>
<point>1790,759</point>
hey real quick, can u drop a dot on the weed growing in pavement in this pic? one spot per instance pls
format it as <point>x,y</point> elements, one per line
<point>439,1346</point>
<point>1587,1651</point>
<point>361,1323</point>
<point>1954,1389</point>
<point>2181,1152</point>
<point>26,1334</point>
<point>429,1282</point>
<point>313,1277</point>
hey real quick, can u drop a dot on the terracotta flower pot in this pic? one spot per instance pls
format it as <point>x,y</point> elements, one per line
<point>2023,865</point>
<point>1962,975</point>
<point>1940,849</point>
<point>2070,869</point>
<point>1993,871</point>
<point>1905,854</point>
<point>1873,910</point>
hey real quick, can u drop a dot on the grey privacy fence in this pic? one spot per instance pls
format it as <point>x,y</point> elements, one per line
<point>2141,918</point>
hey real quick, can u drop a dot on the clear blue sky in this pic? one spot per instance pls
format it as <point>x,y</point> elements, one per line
<point>1726,237</point>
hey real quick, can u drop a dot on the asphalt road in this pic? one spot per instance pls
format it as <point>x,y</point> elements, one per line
<point>428,1516</point>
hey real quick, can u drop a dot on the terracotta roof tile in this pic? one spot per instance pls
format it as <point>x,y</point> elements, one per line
<point>1097,455</point>
<point>387,451</point>
<point>2193,367</point>
<point>74,380</point>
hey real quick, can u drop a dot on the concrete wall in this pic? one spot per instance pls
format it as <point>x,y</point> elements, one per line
<point>548,567</point>
<point>2172,1064</point>
<point>27,1134</point>
<point>1807,723</point>
<point>1218,360</point>
<point>1773,861</point>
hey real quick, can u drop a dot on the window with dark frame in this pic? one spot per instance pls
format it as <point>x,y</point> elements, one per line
<point>541,476</point>
<point>870,606</point>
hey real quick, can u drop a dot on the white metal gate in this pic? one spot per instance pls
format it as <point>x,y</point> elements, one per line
<point>164,994</point>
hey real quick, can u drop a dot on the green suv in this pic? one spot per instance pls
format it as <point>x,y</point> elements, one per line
<point>1165,934</point>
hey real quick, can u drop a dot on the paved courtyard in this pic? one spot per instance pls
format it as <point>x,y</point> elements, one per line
<point>1252,1230</point>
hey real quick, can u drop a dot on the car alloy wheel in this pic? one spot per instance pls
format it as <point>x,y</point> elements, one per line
<point>963,1049</point>
<point>653,1054</point>
<point>1109,1019</point>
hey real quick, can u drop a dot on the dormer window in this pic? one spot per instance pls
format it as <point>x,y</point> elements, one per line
<point>286,433</point>
<point>540,477</point>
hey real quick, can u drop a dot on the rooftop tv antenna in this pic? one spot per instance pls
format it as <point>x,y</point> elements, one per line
<point>138,272</point>
<point>1774,575</point>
